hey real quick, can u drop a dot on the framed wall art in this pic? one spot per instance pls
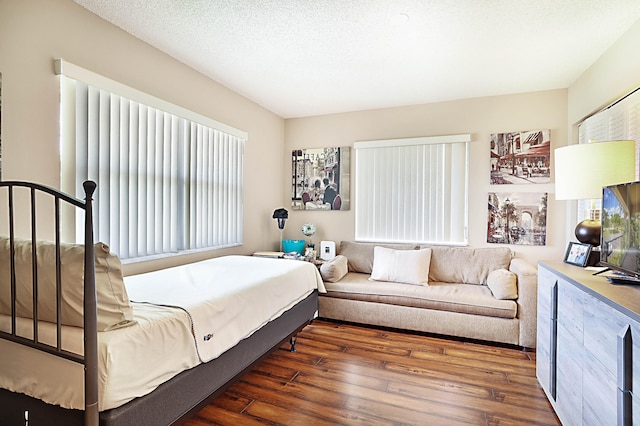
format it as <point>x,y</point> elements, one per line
<point>520,157</point>
<point>320,179</point>
<point>517,218</point>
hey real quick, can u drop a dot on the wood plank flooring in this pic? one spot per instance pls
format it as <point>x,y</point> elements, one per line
<point>347,374</point>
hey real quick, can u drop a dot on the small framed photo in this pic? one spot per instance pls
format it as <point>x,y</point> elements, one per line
<point>577,254</point>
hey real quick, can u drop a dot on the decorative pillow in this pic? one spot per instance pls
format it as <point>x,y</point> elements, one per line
<point>402,266</point>
<point>114,308</point>
<point>360,255</point>
<point>334,269</point>
<point>503,284</point>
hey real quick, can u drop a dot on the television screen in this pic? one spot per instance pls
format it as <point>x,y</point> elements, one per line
<point>620,243</point>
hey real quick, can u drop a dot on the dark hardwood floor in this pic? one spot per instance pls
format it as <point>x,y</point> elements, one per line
<point>347,374</point>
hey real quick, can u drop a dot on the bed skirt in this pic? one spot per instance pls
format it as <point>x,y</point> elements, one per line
<point>175,401</point>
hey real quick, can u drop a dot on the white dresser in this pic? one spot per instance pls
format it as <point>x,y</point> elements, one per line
<point>588,346</point>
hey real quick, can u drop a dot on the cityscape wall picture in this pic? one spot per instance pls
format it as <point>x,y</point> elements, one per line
<point>320,179</point>
<point>517,218</point>
<point>520,157</point>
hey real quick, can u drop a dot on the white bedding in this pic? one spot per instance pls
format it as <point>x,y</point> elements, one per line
<point>134,360</point>
<point>227,298</point>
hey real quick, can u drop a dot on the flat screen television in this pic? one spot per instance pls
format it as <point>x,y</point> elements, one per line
<point>620,236</point>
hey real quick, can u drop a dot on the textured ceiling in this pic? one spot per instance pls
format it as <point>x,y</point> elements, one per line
<point>310,57</point>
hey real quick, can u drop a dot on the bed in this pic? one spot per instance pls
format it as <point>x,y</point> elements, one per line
<point>150,349</point>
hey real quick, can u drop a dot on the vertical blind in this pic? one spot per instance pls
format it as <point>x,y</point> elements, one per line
<point>619,121</point>
<point>165,183</point>
<point>413,190</point>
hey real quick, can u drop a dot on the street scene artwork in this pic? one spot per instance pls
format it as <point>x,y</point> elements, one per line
<point>517,218</point>
<point>520,157</point>
<point>320,179</point>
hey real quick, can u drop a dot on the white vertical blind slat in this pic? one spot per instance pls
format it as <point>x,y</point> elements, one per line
<point>133,180</point>
<point>102,129</point>
<point>123,183</point>
<point>143,175</point>
<point>165,237</point>
<point>150,181</point>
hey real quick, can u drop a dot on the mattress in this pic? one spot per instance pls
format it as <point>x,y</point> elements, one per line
<point>227,298</point>
<point>132,361</point>
<point>210,299</point>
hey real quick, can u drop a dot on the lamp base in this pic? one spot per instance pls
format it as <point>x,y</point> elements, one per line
<point>594,257</point>
<point>588,232</point>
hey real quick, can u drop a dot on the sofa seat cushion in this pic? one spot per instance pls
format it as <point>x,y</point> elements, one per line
<point>462,298</point>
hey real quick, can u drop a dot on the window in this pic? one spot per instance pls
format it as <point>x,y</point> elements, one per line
<point>413,190</point>
<point>168,179</point>
<point>618,121</point>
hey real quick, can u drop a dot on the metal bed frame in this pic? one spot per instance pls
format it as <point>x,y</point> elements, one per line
<point>90,357</point>
<point>174,401</point>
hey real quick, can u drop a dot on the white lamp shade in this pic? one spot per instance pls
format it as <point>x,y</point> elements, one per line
<point>582,170</point>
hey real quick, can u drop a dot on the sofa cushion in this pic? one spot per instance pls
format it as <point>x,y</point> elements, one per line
<point>334,269</point>
<point>401,266</point>
<point>503,284</point>
<point>466,265</point>
<point>462,298</point>
<point>360,255</point>
<point>114,308</point>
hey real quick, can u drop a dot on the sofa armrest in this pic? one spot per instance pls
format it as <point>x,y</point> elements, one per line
<point>527,300</point>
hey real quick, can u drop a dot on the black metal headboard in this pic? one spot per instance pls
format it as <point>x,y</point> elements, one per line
<point>90,358</point>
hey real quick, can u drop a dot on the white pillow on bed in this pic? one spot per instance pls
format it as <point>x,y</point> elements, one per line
<point>401,266</point>
<point>114,308</point>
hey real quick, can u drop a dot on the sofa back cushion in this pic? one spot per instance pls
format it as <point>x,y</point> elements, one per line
<point>466,265</point>
<point>360,255</point>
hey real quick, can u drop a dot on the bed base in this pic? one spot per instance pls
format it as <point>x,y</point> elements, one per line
<point>179,399</point>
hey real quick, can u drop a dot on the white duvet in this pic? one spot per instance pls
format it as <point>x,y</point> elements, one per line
<point>132,361</point>
<point>229,299</point>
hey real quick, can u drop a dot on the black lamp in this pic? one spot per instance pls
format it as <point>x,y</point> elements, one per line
<point>281,215</point>
<point>582,170</point>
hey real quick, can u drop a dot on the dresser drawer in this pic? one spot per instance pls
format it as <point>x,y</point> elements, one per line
<point>601,327</point>
<point>571,309</point>
<point>599,392</point>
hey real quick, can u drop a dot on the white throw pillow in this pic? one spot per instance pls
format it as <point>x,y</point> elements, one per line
<point>503,284</point>
<point>401,266</point>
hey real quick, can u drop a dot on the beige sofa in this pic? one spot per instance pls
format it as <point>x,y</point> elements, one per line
<point>480,293</point>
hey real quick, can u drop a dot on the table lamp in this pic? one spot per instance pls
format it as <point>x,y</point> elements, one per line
<point>281,215</point>
<point>582,170</point>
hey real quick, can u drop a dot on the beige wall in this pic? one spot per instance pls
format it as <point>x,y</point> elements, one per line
<point>615,74</point>
<point>34,32</point>
<point>480,117</point>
